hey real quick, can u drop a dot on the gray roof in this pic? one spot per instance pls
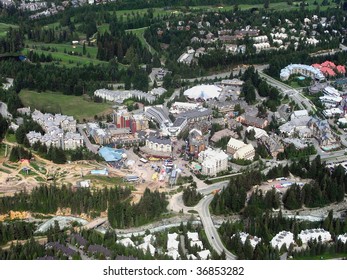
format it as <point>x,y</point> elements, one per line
<point>159,140</point>
<point>196,113</point>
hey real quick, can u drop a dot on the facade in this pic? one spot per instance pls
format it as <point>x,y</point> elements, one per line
<point>234,145</point>
<point>240,150</point>
<point>247,152</point>
<point>213,161</point>
<point>159,144</point>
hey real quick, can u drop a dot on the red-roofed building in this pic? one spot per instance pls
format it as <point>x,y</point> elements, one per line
<point>329,64</point>
<point>316,65</point>
<point>328,71</point>
<point>341,69</point>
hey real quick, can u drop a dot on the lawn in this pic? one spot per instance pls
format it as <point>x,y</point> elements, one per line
<point>10,138</point>
<point>2,150</point>
<point>139,32</point>
<point>4,27</point>
<point>325,256</point>
<point>62,55</point>
<point>54,102</point>
<point>281,6</point>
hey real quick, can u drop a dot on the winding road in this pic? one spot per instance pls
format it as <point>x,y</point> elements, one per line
<point>176,204</point>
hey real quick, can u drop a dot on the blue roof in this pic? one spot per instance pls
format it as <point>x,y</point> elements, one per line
<point>110,154</point>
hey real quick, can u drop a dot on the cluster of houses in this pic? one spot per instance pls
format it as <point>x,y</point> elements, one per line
<point>208,36</point>
<point>60,131</point>
<point>303,126</point>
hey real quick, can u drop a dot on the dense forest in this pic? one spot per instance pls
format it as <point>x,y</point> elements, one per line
<point>326,187</point>
<point>121,213</point>
<point>267,226</point>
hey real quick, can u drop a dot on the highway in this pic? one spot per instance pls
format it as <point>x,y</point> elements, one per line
<point>210,230</point>
<point>294,94</point>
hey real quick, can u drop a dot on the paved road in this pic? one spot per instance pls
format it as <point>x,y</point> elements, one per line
<point>95,223</point>
<point>226,75</point>
<point>294,94</point>
<point>210,229</point>
<point>91,147</point>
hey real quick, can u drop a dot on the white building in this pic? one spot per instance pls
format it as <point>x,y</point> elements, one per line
<point>342,238</point>
<point>331,91</point>
<point>330,101</point>
<point>203,92</point>
<point>159,144</point>
<point>332,112</point>
<point>283,237</point>
<point>240,150</point>
<point>258,132</point>
<point>253,239</point>
<point>247,152</point>
<point>314,234</point>
<point>213,161</point>
<point>127,242</point>
<point>120,96</point>
<point>193,237</point>
<point>299,114</point>
<point>179,107</point>
<point>302,69</point>
<point>204,255</point>
<point>172,245</point>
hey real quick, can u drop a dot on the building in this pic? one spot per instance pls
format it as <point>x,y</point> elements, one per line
<point>258,132</point>
<point>172,245</point>
<point>204,255</point>
<point>213,161</point>
<point>221,134</point>
<point>272,144</point>
<point>138,122</point>
<point>246,152</point>
<point>195,116</point>
<point>330,101</point>
<point>193,237</point>
<point>314,234</point>
<point>122,118</point>
<point>331,91</point>
<point>253,239</point>
<point>179,107</point>
<point>282,238</point>
<point>198,142</point>
<point>203,92</point>
<point>252,121</point>
<point>60,131</point>
<point>119,96</point>
<point>301,69</point>
<point>234,145</point>
<point>179,125</point>
<point>342,238</point>
<point>299,114</point>
<point>322,132</point>
<point>328,113</point>
<point>159,144</point>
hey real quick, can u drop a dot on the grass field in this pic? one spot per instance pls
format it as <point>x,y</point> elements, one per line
<point>139,32</point>
<point>326,256</point>
<point>61,53</point>
<point>4,27</point>
<point>54,102</point>
<point>281,6</point>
